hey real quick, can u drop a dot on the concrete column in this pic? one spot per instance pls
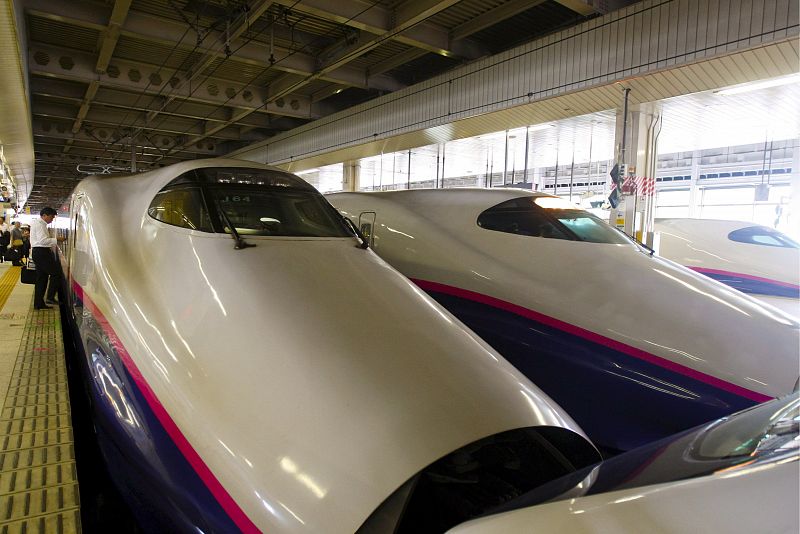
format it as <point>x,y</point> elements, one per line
<point>638,151</point>
<point>694,189</point>
<point>535,177</point>
<point>794,205</point>
<point>351,179</point>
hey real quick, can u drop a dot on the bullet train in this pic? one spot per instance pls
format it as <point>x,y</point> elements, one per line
<point>754,259</point>
<point>251,366</point>
<point>736,474</point>
<point>633,346</point>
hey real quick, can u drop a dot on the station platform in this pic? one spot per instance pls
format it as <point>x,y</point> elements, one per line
<point>38,476</point>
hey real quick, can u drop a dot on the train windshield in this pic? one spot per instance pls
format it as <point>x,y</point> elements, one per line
<point>761,235</point>
<point>256,202</point>
<point>549,217</point>
<point>276,212</point>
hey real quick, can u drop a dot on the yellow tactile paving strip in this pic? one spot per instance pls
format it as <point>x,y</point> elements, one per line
<point>7,284</point>
<point>38,480</point>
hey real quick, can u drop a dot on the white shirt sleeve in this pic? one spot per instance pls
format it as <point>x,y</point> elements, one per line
<point>40,237</point>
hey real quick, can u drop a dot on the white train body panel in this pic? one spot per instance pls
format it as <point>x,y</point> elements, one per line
<point>611,295</point>
<point>761,499</point>
<point>303,379</point>
<point>737,474</point>
<point>753,263</point>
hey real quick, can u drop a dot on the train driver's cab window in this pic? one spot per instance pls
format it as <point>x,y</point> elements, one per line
<point>761,235</point>
<point>548,217</point>
<point>276,212</point>
<point>269,203</point>
<point>257,202</point>
<point>182,207</point>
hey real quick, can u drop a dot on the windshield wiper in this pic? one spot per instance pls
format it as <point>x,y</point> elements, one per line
<point>240,243</point>
<point>632,238</point>
<point>650,250</point>
<point>364,244</point>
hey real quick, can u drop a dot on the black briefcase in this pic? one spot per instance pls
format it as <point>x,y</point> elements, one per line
<point>12,254</point>
<point>28,275</point>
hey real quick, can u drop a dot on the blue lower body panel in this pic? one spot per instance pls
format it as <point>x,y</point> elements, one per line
<point>162,488</point>
<point>619,400</point>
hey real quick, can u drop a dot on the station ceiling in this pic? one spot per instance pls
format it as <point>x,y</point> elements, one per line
<point>162,81</point>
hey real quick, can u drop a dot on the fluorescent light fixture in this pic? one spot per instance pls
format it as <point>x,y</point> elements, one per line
<point>540,127</point>
<point>755,86</point>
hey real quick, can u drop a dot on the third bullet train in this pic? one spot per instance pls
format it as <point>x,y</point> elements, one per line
<point>633,346</point>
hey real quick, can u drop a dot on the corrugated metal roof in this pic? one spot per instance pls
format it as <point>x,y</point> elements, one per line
<point>423,68</point>
<point>386,51</point>
<point>308,35</point>
<point>156,54</point>
<point>464,11</point>
<point>58,33</point>
<point>235,71</point>
<point>304,22</point>
<point>542,19</point>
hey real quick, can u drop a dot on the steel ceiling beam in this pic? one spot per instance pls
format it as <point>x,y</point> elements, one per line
<point>91,156</point>
<point>111,120</point>
<point>42,133</point>
<point>69,92</point>
<point>170,33</point>
<point>108,42</point>
<point>93,152</point>
<point>459,33</point>
<point>492,17</point>
<point>378,20</point>
<point>583,7</point>
<point>81,69</point>
<point>395,61</point>
<point>221,49</point>
<point>409,14</point>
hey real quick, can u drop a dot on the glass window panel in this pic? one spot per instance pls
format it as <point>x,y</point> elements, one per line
<point>737,195</point>
<point>761,235</point>
<point>546,217</point>
<point>278,211</point>
<point>767,214</point>
<point>672,212</point>
<point>423,166</point>
<point>732,213</point>
<point>327,179</point>
<point>780,193</point>
<point>673,197</point>
<point>182,207</point>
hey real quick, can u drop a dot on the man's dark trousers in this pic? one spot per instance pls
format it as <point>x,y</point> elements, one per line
<point>46,267</point>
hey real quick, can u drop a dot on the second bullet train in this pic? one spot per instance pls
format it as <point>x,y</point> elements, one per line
<point>633,346</point>
<point>252,367</point>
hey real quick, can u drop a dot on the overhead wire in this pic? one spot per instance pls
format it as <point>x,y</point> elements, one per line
<point>354,54</point>
<point>192,91</point>
<point>121,125</point>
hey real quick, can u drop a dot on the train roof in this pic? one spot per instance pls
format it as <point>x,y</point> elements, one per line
<point>165,174</point>
<point>444,203</point>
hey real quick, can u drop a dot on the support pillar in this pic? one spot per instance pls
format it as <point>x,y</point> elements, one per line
<point>694,185</point>
<point>636,149</point>
<point>793,219</point>
<point>351,178</point>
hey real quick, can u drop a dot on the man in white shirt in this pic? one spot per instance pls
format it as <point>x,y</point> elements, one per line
<point>5,238</point>
<point>43,255</point>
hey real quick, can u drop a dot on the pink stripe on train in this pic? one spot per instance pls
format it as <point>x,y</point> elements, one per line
<point>214,486</point>
<point>720,272</point>
<point>594,337</point>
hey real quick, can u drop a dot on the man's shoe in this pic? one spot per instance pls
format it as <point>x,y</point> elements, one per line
<point>52,302</point>
<point>43,307</point>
